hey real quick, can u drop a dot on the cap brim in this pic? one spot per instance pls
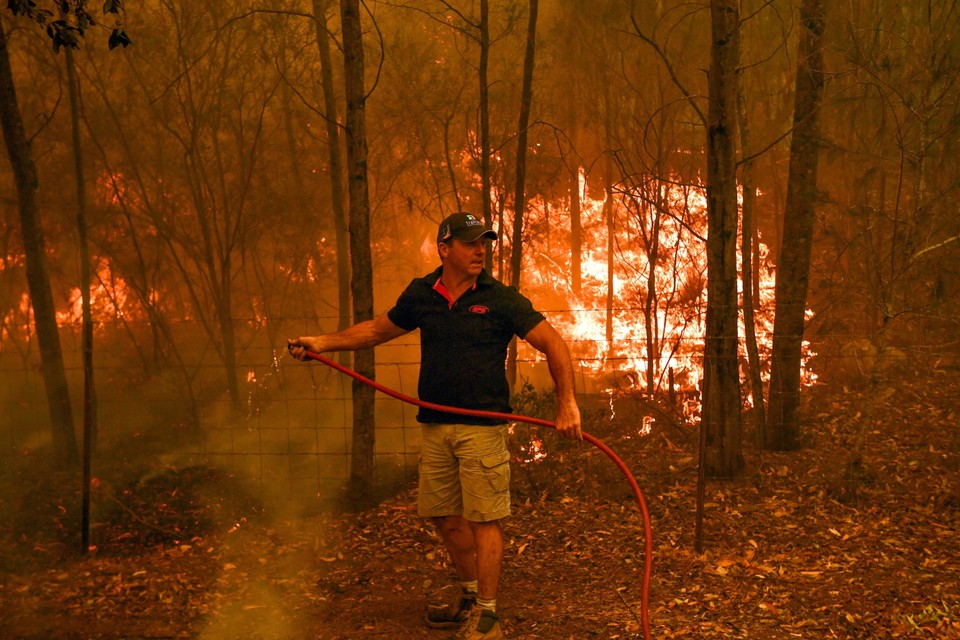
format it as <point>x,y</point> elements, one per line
<point>470,236</point>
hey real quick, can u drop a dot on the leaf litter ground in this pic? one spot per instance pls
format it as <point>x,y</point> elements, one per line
<point>854,536</point>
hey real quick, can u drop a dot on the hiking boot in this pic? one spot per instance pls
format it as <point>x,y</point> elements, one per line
<point>451,616</point>
<point>482,624</point>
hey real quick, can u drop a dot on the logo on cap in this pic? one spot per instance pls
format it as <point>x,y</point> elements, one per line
<point>465,226</point>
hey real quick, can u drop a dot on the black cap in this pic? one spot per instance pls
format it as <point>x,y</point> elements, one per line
<point>463,226</point>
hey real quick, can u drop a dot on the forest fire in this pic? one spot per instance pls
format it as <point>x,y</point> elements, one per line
<point>253,172</point>
<point>644,331</point>
<point>109,299</point>
<point>531,448</point>
<point>17,316</point>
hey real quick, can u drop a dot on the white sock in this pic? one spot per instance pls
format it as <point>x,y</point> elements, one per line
<point>469,587</point>
<point>489,604</point>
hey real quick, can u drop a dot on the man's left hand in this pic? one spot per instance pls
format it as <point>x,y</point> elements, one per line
<point>568,421</point>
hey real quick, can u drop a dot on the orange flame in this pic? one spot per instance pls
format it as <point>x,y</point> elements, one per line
<point>657,305</point>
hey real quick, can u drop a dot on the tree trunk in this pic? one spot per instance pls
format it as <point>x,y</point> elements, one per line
<point>293,153</point>
<point>651,299</point>
<point>89,386</point>
<point>793,268</point>
<point>608,216</point>
<point>519,194</point>
<point>572,54</point>
<point>611,246</point>
<point>485,178</point>
<point>576,231</point>
<point>723,456</point>
<point>38,281</point>
<point>320,8</point>
<point>224,301</point>
<point>360,490</point>
<point>748,259</point>
<point>519,197</point>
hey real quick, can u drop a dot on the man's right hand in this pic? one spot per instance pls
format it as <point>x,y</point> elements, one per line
<point>298,347</point>
<point>363,335</point>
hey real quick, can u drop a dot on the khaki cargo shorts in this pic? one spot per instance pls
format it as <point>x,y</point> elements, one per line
<point>464,470</point>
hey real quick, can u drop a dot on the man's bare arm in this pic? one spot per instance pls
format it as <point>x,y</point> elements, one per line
<point>363,335</point>
<point>549,342</point>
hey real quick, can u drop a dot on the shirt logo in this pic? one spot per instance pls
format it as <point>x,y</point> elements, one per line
<point>479,308</point>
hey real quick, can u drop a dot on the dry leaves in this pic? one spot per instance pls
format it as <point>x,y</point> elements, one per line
<point>828,542</point>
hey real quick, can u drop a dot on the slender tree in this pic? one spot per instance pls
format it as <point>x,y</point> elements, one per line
<point>793,267</point>
<point>519,192</point>
<point>486,180</point>
<point>89,382</point>
<point>335,153</point>
<point>608,119</point>
<point>576,228</point>
<point>748,261</point>
<point>721,384</point>
<point>360,491</point>
<point>568,42</point>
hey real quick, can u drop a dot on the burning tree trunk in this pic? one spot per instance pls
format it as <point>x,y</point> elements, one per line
<point>361,462</point>
<point>320,8</point>
<point>38,281</point>
<point>723,455</point>
<point>793,268</point>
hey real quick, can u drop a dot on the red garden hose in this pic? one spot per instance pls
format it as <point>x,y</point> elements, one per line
<point>648,536</point>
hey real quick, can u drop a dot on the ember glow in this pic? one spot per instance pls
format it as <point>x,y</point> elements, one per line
<point>18,317</point>
<point>109,299</point>
<point>530,449</point>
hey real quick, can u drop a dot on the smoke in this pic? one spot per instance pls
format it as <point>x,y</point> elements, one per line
<point>259,568</point>
<point>260,612</point>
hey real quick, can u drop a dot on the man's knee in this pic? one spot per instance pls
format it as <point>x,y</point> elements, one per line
<point>448,523</point>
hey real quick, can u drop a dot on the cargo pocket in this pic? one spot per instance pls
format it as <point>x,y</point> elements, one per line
<point>496,468</point>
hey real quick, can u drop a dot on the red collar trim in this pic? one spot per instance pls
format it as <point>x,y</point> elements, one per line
<point>439,287</point>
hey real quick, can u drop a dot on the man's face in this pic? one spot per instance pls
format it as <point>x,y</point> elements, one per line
<point>464,257</point>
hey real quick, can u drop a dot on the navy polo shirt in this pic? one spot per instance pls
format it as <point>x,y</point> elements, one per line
<point>463,346</point>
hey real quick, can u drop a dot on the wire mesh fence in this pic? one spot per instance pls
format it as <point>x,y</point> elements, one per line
<point>288,436</point>
<point>288,433</point>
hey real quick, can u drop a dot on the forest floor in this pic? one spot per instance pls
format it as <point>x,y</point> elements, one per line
<point>857,535</point>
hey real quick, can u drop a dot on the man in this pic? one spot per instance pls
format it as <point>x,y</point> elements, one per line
<point>466,320</point>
